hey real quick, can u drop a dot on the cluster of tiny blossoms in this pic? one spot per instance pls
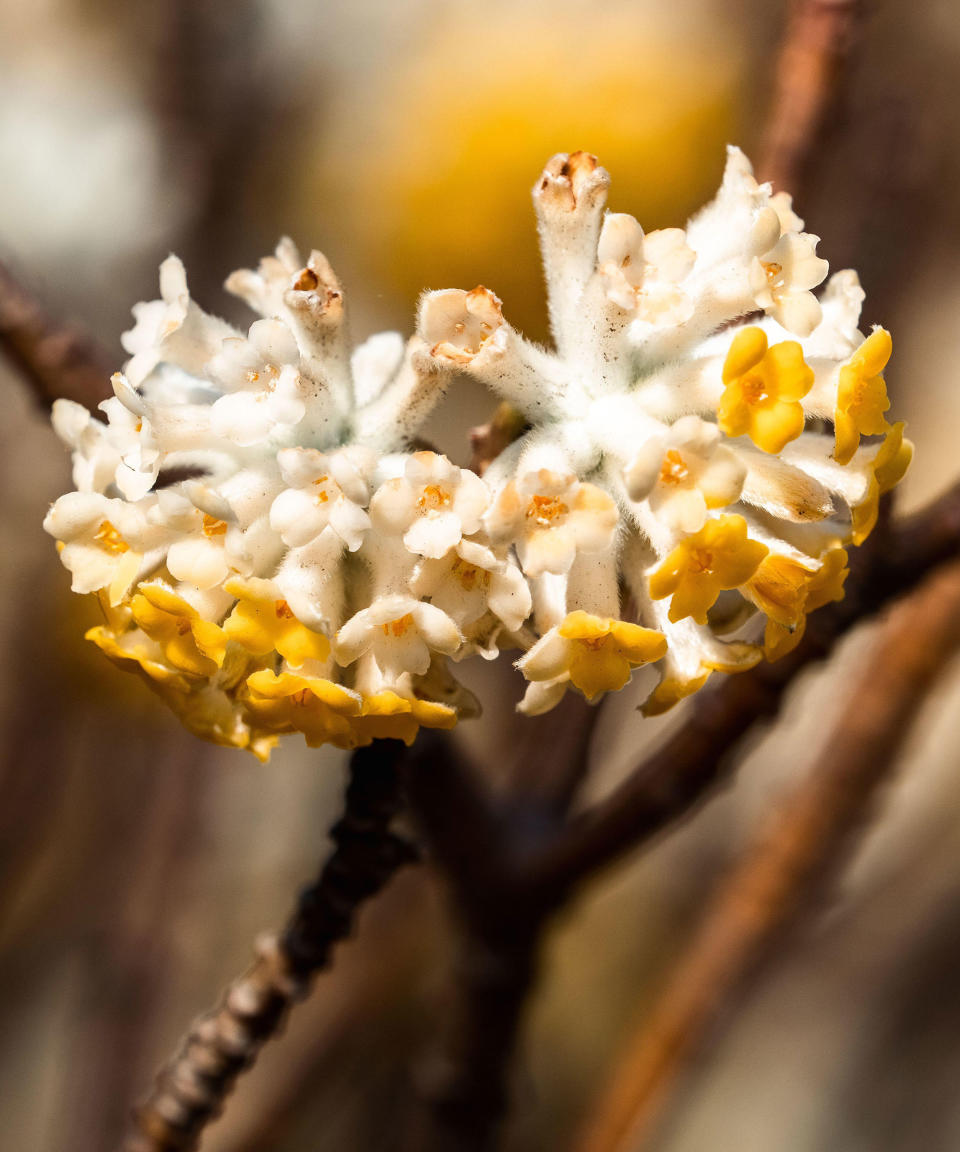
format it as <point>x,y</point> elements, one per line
<point>272,555</point>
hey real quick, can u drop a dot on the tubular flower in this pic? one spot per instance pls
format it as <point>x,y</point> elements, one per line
<point>719,557</point>
<point>249,517</point>
<point>671,473</point>
<point>595,655</point>
<point>762,390</point>
<point>862,395</point>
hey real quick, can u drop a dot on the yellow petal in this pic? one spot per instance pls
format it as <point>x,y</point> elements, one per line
<point>747,349</point>
<point>772,428</point>
<point>596,666</point>
<point>297,643</point>
<point>670,691</point>
<point>893,459</point>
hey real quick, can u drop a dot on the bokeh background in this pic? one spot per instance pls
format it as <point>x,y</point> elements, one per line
<point>401,137</point>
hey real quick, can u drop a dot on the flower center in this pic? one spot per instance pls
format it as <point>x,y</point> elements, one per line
<point>545,510</point>
<point>701,560</point>
<point>673,470</point>
<point>434,499</point>
<point>110,539</point>
<point>183,626</point>
<point>301,698</point>
<point>399,627</point>
<point>283,610</point>
<point>469,575</point>
<point>774,273</point>
<point>213,527</point>
<point>323,495</point>
<point>306,281</point>
<point>754,388</point>
<point>596,644</point>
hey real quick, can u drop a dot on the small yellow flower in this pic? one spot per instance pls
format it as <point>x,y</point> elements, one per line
<point>787,597</point>
<point>670,691</point>
<point>762,390</point>
<point>779,589</point>
<point>886,471</point>
<point>388,715</point>
<point>134,652</point>
<point>263,621</point>
<point>327,713</point>
<point>718,557</point>
<point>862,395</point>
<point>596,654</point>
<point>323,711</point>
<point>188,642</point>
<point>676,684</point>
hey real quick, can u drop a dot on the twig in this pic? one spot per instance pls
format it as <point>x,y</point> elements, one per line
<point>480,841</point>
<point>55,359</point>
<point>191,1090</point>
<point>803,844</point>
<point>817,42</point>
<point>683,770</point>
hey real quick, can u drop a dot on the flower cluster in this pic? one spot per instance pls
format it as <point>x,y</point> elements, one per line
<point>679,471</point>
<point>267,551</point>
<point>272,555</point>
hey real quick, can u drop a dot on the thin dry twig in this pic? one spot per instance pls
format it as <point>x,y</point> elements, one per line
<point>818,40</point>
<point>55,359</point>
<point>800,849</point>
<point>221,1044</point>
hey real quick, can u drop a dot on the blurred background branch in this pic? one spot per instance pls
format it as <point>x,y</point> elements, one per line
<point>191,1090</point>
<point>52,358</point>
<point>813,58</point>
<point>798,850</point>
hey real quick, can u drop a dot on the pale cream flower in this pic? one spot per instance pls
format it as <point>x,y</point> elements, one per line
<point>642,273</point>
<point>400,633</point>
<point>684,473</point>
<point>432,506</point>
<point>323,490</point>
<point>470,583</point>
<point>551,516</point>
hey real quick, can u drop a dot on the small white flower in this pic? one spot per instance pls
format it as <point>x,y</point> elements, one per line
<point>551,516</point>
<point>172,329</point>
<point>432,506</point>
<point>685,472</point>
<point>642,273</point>
<point>261,376</point>
<point>470,582</point>
<point>400,633</point>
<point>781,280</point>
<point>104,541</point>
<point>323,490</point>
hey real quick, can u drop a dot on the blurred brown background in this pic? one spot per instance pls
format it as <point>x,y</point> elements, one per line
<point>402,138</point>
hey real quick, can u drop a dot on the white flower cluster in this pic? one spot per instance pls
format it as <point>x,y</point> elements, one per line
<point>677,472</point>
<point>272,556</point>
<point>266,550</point>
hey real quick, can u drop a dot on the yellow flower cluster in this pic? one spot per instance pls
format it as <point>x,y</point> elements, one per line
<point>221,679</point>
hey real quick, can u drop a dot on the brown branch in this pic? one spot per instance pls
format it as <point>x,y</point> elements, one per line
<point>55,359</point>
<point>480,841</point>
<point>801,847</point>
<point>680,773</point>
<point>191,1090</point>
<point>819,37</point>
